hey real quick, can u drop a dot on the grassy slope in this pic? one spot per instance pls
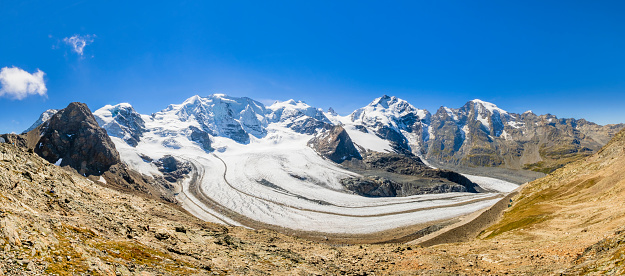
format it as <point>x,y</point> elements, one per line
<point>575,205</point>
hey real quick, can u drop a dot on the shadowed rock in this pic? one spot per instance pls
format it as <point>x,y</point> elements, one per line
<point>72,137</point>
<point>335,145</point>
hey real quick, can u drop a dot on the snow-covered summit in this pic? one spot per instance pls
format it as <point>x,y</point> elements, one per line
<point>291,109</point>
<point>45,116</point>
<point>122,121</point>
<point>389,111</point>
<point>219,115</point>
<point>482,105</point>
<point>298,116</point>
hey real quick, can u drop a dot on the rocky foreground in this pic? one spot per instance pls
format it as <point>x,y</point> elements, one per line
<point>55,221</point>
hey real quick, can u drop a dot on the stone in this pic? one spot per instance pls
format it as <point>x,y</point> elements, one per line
<point>335,144</point>
<point>72,137</point>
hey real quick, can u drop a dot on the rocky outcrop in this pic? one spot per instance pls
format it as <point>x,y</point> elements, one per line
<point>376,186</point>
<point>72,137</point>
<point>173,169</point>
<point>335,144</point>
<point>201,137</point>
<point>386,172</point>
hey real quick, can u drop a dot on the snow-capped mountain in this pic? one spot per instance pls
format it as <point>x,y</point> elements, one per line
<point>477,134</point>
<point>298,116</point>
<point>394,120</point>
<point>44,117</point>
<point>482,134</point>
<point>217,115</point>
<point>279,165</point>
<point>121,121</point>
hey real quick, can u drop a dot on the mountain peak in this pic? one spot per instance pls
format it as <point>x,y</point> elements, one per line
<point>488,106</point>
<point>45,116</point>
<point>384,101</point>
<point>73,137</point>
<point>122,121</point>
<point>193,99</point>
<point>332,112</point>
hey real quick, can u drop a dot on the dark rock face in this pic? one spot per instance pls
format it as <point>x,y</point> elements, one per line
<point>412,165</point>
<point>398,141</point>
<point>372,186</point>
<point>201,137</point>
<point>335,144</point>
<point>376,186</point>
<point>172,169</point>
<point>74,136</point>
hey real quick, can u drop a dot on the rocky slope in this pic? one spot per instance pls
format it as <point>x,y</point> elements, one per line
<point>335,145</point>
<point>578,207</point>
<point>392,174</point>
<point>72,137</point>
<point>481,134</point>
<point>55,221</point>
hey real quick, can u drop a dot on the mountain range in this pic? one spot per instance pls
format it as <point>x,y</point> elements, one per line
<point>478,134</point>
<point>56,221</point>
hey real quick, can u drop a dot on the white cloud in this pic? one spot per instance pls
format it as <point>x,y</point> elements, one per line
<point>78,42</point>
<point>17,83</point>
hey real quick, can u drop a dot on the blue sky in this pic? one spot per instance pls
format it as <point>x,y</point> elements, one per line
<point>561,57</point>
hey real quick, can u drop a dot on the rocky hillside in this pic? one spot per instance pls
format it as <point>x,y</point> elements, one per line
<point>55,221</point>
<point>578,207</point>
<point>392,174</point>
<point>72,137</point>
<point>481,134</point>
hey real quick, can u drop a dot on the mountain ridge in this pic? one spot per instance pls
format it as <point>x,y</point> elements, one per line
<point>477,134</point>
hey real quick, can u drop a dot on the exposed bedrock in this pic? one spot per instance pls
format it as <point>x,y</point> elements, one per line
<point>72,137</point>
<point>335,144</point>
<point>391,174</point>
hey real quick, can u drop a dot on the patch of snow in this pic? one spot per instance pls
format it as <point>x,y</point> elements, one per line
<point>484,121</point>
<point>492,184</point>
<point>451,113</point>
<point>58,162</point>
<point>489,106</point>
<point>368,140</point>
<point>464,131</point>
<point>516,124</point>
<point>102,179</point>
